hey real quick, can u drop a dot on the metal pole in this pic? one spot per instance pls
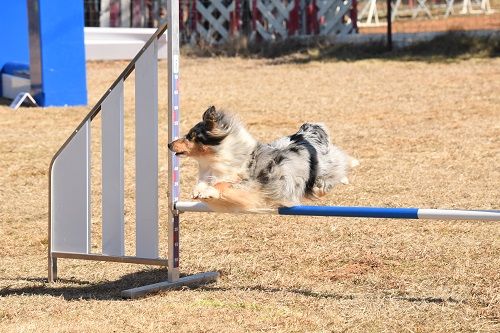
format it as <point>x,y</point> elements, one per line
<point>173,133</point>
<point>370,212</point>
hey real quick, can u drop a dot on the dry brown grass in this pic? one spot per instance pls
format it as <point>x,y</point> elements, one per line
<point>427,135</point>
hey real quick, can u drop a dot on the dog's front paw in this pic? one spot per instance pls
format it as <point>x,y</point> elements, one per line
<point>205,191</point>
<point>200,188</point>
<point>209,193</point>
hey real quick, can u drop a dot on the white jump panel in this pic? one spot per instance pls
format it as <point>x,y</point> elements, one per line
<point>70,200</point>
<point>146,150</point>
<point>113,173</point>
<point>119,43</point>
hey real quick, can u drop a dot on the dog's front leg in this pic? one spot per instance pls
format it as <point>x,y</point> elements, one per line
<point>232,198</point>
<point>205,191</point>
<point>204,188</point>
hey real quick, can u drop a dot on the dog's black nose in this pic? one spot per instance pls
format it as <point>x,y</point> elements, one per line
<point>170,146</point>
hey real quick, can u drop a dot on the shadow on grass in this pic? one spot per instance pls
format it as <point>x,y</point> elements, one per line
<point>326,295</point>
<point>72,289</point>
<point>5,101</point>
<point>264,289</point>
<point>454,45</point>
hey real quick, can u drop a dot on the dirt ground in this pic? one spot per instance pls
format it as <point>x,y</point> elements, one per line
<point>427,135</point>
<point>439,23</point>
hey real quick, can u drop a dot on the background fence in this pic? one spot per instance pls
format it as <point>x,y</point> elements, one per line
<point>217,21</point>
<point>413,16</point>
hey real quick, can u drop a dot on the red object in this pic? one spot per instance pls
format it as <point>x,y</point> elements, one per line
<point>354,15</point>
<point>114,14</point>
<point>313,22</point>
<point>234,23</point>
<point>255,15</point>
<point>136,14</point>
<point>195,15</point>
<point>293,21</point>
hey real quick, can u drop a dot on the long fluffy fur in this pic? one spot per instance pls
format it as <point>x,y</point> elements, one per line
<point>236,172</point>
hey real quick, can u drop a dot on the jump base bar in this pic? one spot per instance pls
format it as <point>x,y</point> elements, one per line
<point>194,280</point>
<point>369,212</point>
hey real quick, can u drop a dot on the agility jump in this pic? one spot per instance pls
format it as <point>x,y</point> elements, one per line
<point>70,179</point>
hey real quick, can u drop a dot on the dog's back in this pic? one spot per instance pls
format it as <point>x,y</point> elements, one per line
<point>304,164</point>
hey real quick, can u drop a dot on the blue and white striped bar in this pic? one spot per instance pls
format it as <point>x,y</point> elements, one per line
<point>369,212</point>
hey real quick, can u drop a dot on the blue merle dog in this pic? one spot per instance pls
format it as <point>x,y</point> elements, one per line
<point>238,173</point>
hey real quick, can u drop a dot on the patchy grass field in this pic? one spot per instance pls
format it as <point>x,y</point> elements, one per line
<point>427,135</point>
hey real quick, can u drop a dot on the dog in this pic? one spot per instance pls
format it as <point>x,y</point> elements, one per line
<point>238,173</point>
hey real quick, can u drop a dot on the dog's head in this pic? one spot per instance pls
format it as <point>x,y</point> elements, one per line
<point>205,137</point>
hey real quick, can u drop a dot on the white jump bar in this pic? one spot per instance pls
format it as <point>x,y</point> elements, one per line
<point>369,212</point>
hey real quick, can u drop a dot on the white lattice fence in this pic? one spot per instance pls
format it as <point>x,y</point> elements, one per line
<point>334,17</point>
<point>272,18</point>
<point>214,22</point>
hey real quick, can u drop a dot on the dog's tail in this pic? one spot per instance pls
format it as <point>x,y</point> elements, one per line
<point>352,163</point>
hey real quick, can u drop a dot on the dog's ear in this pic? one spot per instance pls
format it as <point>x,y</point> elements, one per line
<point>211,116</point>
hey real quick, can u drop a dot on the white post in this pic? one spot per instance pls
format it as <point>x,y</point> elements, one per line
<point>104,16</point>
<point>125,13</point>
